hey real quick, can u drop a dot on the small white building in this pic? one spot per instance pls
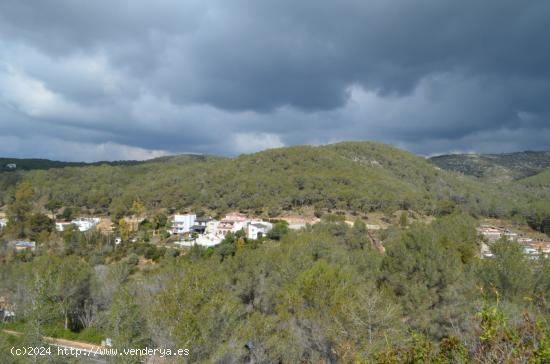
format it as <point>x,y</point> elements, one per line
<point>62,225</point>
<point>258,229</point>
<point>3,223</point>
<point>181,224</point>
<point>11,166</point>
<point>85,224</point>
<point>81,224</point>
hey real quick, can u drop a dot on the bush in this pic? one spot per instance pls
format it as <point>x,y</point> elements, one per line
<point>133,259</point>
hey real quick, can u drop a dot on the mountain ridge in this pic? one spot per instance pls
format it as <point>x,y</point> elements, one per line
<point>504,166</point>
<point>357,177</point>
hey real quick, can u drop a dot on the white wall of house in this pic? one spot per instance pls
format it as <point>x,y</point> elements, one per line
<point>60,226</point>
<point>82,224</point>
<point>212,227</point>
<point>256,229</point>
<point>181,224</point>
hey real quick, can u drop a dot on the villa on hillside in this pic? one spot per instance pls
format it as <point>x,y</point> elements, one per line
<point>181,224</point>
<point>210,232</point>
<point>232,222</point>
<point>258,229</point>
<point>201,224</point>
<point>81,224</point>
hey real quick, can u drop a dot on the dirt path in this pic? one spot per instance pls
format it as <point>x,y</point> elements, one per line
<point>63,342</point>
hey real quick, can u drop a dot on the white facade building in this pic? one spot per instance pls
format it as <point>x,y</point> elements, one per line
<point>3,223</point>
<point>82,224</point>
<point>212,227</point>
<point>61,225</point>
<point>258,229</point>
<point>181,224</point>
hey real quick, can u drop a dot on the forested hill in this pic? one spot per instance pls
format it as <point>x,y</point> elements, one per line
<point>353,176</point>
<point>34,163</point>
<point>495,166</point>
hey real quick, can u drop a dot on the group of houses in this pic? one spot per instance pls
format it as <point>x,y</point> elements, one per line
<point>532,247</point>
<point>206,231</point>
<point>81,224</point>
<point>492,233</point>
<point>6,310</point>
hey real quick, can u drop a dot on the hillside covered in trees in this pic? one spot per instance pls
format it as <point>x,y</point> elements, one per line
<point>15,164</point>
<point>359,177</point>
<point>319,295</point>
<point>330,292</point>
<point>495,166</point>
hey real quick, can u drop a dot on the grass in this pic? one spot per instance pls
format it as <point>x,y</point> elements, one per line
<point>56,330</point>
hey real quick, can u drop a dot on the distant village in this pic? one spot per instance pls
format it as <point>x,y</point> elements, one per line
<point>192,230</point>
<point>532,247</point>
<point>189,230</point>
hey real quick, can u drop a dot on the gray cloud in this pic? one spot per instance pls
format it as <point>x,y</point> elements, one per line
<point>111,80</point>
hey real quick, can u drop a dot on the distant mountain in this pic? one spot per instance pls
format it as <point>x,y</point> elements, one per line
<point>18,164</point>
<point>353,176</point>
<point>27,164</point>
<point>508,166</point>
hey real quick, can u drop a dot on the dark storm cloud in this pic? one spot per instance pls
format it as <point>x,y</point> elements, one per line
<point>150,77</point>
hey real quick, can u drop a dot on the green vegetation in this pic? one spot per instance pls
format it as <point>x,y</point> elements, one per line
<point>30,164</point>
<point>358,177</point>
<point>320,294</point>
<point>355,177</point>
<point>495,166</point>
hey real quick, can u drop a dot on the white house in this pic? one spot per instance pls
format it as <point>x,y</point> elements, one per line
<point>232,222</point>
<point>82,224</point>
<point>258,229</point>
<point>61,225</point>
<point>85,224</point>
<point>181,224</point>
<point>3,223</point>
<point>212,227</point>
<point>11,166</point>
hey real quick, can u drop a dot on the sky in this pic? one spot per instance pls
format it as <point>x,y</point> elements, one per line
<point>96,80</point>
